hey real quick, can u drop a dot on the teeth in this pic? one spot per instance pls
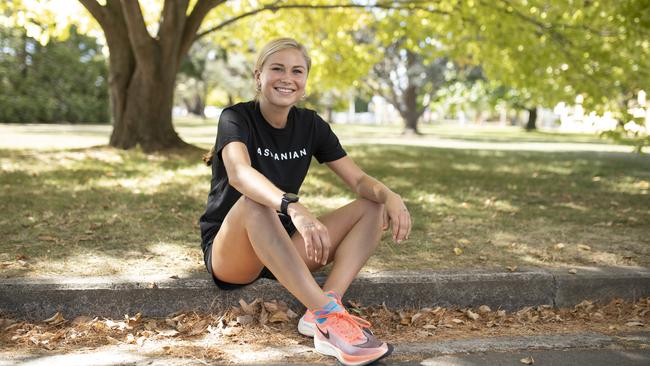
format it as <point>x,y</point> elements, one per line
<point>284,90</point>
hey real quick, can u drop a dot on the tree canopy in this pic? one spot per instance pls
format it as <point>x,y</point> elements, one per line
<point>551,51</point>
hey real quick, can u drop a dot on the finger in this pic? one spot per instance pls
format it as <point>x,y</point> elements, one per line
<point>404,226</point>
<point>308,245</point>
<point>410,225</point>
<point>318,247</point>
<point>327,244</point>
<point>384,225</point>
<point>395,222</point>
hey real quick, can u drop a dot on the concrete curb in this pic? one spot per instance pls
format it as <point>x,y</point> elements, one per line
<point>37,299</point>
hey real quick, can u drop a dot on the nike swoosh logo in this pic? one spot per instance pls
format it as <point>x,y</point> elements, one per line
<point>326,335</point>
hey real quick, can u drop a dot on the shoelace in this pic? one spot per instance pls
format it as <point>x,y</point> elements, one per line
<point>349,326</point>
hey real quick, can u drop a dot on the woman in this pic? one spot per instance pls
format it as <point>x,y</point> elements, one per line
<point>255,223</point>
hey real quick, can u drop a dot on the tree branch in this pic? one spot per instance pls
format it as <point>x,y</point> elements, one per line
<point>172,22</point>
<point>141,41</point>
<point>96,10</point>
<point>192,24</point>
<point>388,5</point>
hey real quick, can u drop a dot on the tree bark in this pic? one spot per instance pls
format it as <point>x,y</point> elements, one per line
<point>532,119</point>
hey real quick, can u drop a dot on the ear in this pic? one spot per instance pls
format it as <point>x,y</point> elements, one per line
<point>256,75</point>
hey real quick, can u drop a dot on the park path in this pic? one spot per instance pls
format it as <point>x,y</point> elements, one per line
<point>59,136</point>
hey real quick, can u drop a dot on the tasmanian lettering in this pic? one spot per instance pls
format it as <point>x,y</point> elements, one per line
<point>296,154</point>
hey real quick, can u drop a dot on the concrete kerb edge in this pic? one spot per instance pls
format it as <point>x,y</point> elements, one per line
<point>35,299</point>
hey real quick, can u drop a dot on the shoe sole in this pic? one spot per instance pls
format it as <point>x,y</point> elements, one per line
<point>327,349</point>
<point>305,328</point>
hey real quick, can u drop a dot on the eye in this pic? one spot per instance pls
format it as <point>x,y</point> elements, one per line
<point>297,71</point>
<point>276,68</point>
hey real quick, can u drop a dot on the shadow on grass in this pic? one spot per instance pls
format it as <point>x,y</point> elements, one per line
<point>101,211</point>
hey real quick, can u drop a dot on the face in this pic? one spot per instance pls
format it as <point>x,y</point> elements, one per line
<point>283,78</point>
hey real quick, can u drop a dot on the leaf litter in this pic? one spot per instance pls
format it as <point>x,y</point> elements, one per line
<point>273,323</point>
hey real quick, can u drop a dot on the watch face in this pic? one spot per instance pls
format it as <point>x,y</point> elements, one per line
<point>292,197</point>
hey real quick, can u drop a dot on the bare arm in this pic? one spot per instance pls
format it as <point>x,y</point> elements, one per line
<point>254,185</point>
<point>246,179</point>
<point>373,190</point>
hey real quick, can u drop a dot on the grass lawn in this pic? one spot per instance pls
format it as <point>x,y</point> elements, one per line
<point>100,211</point>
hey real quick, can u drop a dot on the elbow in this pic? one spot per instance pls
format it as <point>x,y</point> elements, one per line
<point>235,179</point>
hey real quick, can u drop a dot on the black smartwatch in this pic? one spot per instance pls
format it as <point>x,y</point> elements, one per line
<point>288,198</point>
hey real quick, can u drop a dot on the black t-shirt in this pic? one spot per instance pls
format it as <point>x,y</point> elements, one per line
<point>281,155</point>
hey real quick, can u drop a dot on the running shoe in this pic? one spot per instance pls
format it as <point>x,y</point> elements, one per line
<point>306,324</point>
<point>341,335</point>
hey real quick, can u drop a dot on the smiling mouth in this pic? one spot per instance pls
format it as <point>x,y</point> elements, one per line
<point>284,90</point>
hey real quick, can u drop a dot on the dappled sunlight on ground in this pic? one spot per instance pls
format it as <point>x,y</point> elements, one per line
<point>131,212</point>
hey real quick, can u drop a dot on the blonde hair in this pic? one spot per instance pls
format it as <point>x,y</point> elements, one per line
<point>278,45</point>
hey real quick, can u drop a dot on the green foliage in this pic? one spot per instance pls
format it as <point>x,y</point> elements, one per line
<point>61,81</point>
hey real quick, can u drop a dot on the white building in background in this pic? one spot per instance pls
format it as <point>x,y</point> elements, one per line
<point>380,112</point>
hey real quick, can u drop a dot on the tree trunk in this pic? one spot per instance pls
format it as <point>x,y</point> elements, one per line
<point>143,68</point>
<point>532,119</point>
<point>147,115</point>
<point>411,112</point>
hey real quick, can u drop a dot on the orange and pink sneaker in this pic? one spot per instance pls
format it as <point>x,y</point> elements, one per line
<point>306,324</point>
<point>307,327</point>
<point>340,334</point>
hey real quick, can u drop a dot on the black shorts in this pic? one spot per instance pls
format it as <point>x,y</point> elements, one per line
<point>207,256</point>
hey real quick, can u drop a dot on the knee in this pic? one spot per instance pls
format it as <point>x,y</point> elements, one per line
<point>254,211</point>
<point>372,209</point>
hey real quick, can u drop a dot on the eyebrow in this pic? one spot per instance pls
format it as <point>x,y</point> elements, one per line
<point>279,64</point>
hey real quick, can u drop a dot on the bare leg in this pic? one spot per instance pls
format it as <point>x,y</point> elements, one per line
<point>355,230</point>
<point>253,235</point>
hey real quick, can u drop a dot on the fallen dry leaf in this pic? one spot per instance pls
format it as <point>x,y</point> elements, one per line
<point>279,317</point>
<point>501,313</point>
<point>573,271</point>
<point>264,316</point>
<point>415,317</point>
<point>198,327</point>
<point>271,307</point>
<point>472,315</point>
<point>484,309</point>
<point>457,321</point>
<point>404,319</point>
<point>354,304</point>
<point>291,314</point>
<point>55,319</point>
<point>559,246</point>
<point>231,331</point>
<point>458,251</point>
<point>528,360</point>
<point>248,308</point>
<point>244,319</point>
<point>634,324</point>
<point>584,247</point>
<point>511,268</point>
<point>167,332</point>
<point>81,320</point>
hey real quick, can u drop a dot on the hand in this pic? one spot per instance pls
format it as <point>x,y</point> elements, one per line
<point>314,233</point>
<point>398,217</point>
